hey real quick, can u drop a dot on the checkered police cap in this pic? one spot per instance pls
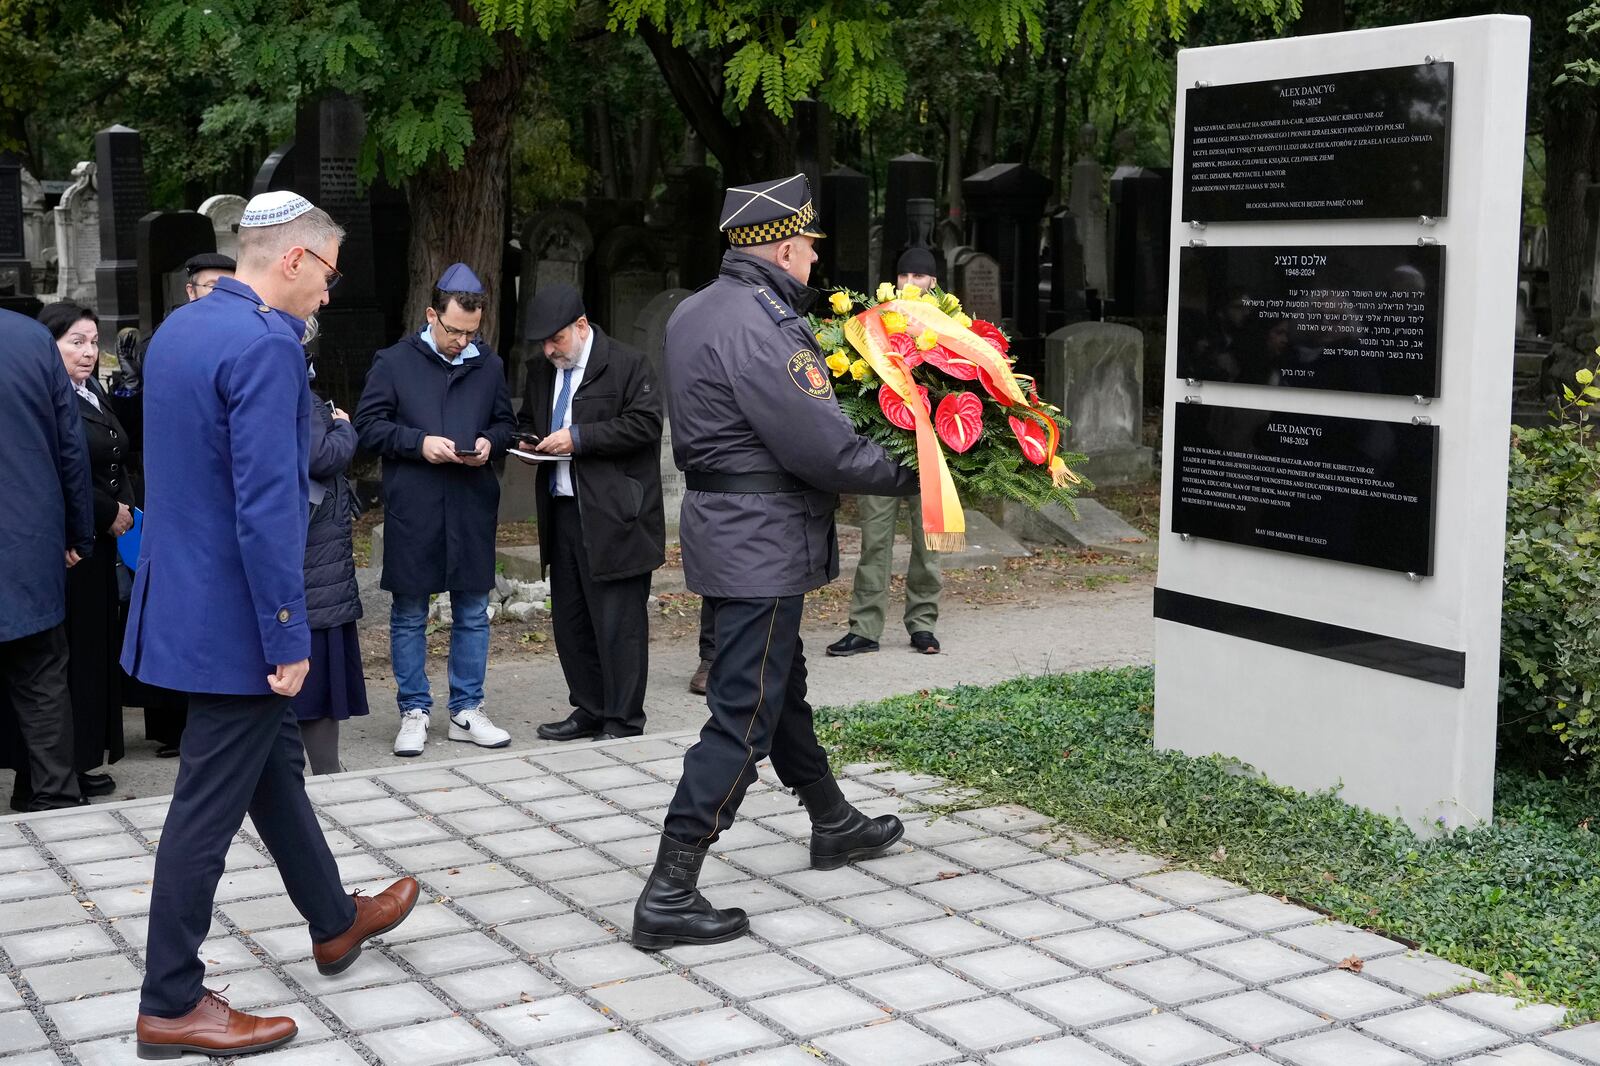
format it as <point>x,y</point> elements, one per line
<point>769,211</point>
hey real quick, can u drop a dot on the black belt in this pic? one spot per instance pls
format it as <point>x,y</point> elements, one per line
<point>761,481</point>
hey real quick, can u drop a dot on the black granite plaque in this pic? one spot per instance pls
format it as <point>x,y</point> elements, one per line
<point>1359,144</point>
<point>1352,489</point>
<point>12,244</point>
<point>1356,318</point>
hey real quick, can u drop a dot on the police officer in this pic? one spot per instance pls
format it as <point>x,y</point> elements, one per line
<point>765,449</point>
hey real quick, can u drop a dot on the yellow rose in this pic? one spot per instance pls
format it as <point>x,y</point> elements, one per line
<point>859,369</point>
<point>949,304</point>
<point>894,322</point>
<point>822,342</point>
<point>839,363</point>
<point>961,319</point>
<point>927,339</point>
<point>885,292</point>
<point>929,298</point>
<point>839,302</point>
<point>911,292</point>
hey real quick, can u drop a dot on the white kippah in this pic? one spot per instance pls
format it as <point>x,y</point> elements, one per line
<point>273,209</point>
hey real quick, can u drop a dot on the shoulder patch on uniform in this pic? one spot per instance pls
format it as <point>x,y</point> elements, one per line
<point>780,311</point>
<point>805,370</point>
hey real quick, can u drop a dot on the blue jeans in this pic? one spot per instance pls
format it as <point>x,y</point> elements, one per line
<point>469,650</point>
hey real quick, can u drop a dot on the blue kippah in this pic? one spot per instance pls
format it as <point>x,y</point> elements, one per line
<point>458,277</point>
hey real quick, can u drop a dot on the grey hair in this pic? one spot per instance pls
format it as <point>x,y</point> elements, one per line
<point>260,245</point>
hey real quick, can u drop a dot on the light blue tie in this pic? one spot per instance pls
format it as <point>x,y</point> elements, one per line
<point>562,399</point>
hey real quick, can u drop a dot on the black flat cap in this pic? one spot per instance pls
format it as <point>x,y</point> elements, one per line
<point>209,261</point>
<point>553,308</point>
<point>917,261</point>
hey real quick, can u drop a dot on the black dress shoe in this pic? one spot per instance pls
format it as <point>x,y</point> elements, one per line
<point>167,751</point>
<point>569,728</point>
<point>925,642</point>
<point>851,644</point>
<point>840,833</point>
<point>608,733</point>
<point>96,784</point>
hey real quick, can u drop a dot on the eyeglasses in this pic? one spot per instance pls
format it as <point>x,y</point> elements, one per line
<point>202,286</point>
<point>450,331</point>
<point>333,273</point>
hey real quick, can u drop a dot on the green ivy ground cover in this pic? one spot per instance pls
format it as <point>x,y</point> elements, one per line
<point>1519,899</point>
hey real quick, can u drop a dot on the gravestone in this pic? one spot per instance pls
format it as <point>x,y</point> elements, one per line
<point>1087,199</point>
<point>16,271</point>
<point>911,177</point>
<point>1068,301</point>
<point>166,240</point>
<point>225,210</point>
<point>1004,205</point>
<point>650,326</point>
<point>977,282</point>
<point>1094,372</point>
<point>1141,221</point>
<point>846,218</point>
<point>556,246</point>
<point>920,216</point>
<point>277,172</point>
<point>124,200</point>
<point>690,202</point>
<point>78,237</point>
<point>39,233</point>
<point>630,270</point>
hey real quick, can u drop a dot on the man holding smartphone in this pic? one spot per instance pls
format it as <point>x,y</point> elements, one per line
<point>436,408</point>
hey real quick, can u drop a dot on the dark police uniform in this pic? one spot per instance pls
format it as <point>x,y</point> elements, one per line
<point>765,449</point>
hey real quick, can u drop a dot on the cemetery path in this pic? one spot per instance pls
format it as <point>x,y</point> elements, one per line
<point>988,936</point>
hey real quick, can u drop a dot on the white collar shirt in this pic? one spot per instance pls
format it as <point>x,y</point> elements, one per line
<point>561,472</point>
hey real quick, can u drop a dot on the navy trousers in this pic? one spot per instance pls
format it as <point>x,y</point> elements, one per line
<point>757,697</point>
<point>239,754</point>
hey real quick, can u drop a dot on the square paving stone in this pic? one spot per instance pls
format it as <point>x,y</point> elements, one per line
<point>86,977</point>
<point>558,932</point>
<point>1031,919</point>
<point>986,1023</point>
<point>1336,941</point>
<point>448,953</point>
<point>49,945</point>
<point>387,835</point>
<point>426,919</point>
<point>374,1008</point>
<point>1341,1047</point>
<point>1341,995</point>
<point>509,905</point>
<point>67,826</point>
<point>637,750</point>
<point>968,892</point>
<point>1066,1051</point>
<point>852,956</point>
<point>1519,1055</point>
<point>1259,913</point>
<point>1432,1033</point>
<point>757,975</point>
<point>988,853</point>
<point>611,1049</point>
<point>1083,1001</point>
<point>27,884</point>
<point>369,970</point>
<point>817,1010</point>
<point>119,1051</point>
<point>597,890</point>
<point>1049,877</point>
<point>1180,930</point>
<point>880,909</point>
<point>433,1044</point>
<point>1119,864</point>
<point>782,857</point>
<point>609,962</point>
<point>608,777</point>
<point>918,988</point>
<point>525,842</point>
<point>1095,949</point>
<point>1423,975</point>
<point>258,988</point>
<point>368,812</point>
<point>654,997</point>
<point>437,856</point>
<point>89,849</point>
<point>502,768</point>
<point>135,899</point>
<point>527,789</point>
<point>413,781</point>
<point>19,1032</point>
<point>326,793</point>
<point>250,916</point>
<point>798,925</point>
<point>96,1016</point>
<point>896,1043</point>
<point>912,867</point>
<point>1011,967</point>
<point>565,760</point>
<point>544,1020</point>
<point>16,860</point>
<point>1162,1040</point>
<point>617,827</point>
<point>692,955</point>
<point>709,1034</point>
<point>753,897</point>
<point>456,881</point>
<point>557,865</point>
<point>1254,1017</point>
<point>944,936</point>
<point>1508,1013</point>
<point>931,832</point>
<point>1009,818</point>
<point>644,797</point>
<point>1113,903</point>
<point>52,911</point>
<point>1174,980</point>
<point>481,821</point>
<point>795,824</point>
<point>110,873</point>
<point>1188,887</point>
<point>1583,1041</point>
<point>1258,961</point>
<point>825,884</point>
<point>497,986</point>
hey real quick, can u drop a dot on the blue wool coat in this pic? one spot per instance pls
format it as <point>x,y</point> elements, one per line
<point>219,598</point>
<point>44,479</point>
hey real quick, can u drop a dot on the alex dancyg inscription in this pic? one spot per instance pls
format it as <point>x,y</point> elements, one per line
<point>1351,489</point>
<point>1358,144</point>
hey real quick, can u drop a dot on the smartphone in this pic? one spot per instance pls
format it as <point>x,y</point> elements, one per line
<point>466,451</point>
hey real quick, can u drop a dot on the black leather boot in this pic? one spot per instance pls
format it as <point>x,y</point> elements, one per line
<point>840,833</point>
<point>670,909</point>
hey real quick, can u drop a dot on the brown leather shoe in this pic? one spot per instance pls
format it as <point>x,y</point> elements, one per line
<point>212,1028</point>
<point>697,683</point>
<point>375,915</point>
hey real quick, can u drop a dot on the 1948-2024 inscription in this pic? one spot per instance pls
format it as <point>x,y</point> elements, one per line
<point>1357,144</point>
<point>1355,490</point>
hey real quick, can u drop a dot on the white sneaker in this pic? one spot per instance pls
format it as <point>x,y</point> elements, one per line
<point>413,735</point>
<point>472,724</point>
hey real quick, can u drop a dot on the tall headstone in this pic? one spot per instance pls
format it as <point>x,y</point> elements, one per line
<point>649,334</point>
<point>556,246</point>
<point>78,237</point>
<point>1094,372</point>
<point>975,278</point>
<point>16,270</point>
<point>846,217</point>
<point>166,240</point>
<point>911,177</point>
<point>225,210</point>
<point>691,199</point>
<point>39,232</point>
<point>124,200</point>
<point>1068,301</point>
<point>1087,199</point>
<point>1004,205</point>
<point>277,172</point>
<point>1141,221</point>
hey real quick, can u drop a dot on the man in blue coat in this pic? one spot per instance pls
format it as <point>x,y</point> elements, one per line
<point>437,409</point>
<point>46,525</point>
<point>218,611</point>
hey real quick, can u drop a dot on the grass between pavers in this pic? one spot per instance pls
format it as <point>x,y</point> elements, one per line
<point>1518,899</point>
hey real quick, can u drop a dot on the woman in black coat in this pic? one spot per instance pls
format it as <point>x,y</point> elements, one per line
<point>335,688</point>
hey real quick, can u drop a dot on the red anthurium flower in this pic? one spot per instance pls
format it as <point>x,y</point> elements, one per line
<point>905,346</point>
<point>1031,439</point>
<point>991,333</point>
<point>895,409</point>
<point>952,364</point>
<point>959,420</point>
<point>1000,395</point>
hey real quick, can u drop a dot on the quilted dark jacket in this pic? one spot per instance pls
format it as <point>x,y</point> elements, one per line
<point>332,597</point>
